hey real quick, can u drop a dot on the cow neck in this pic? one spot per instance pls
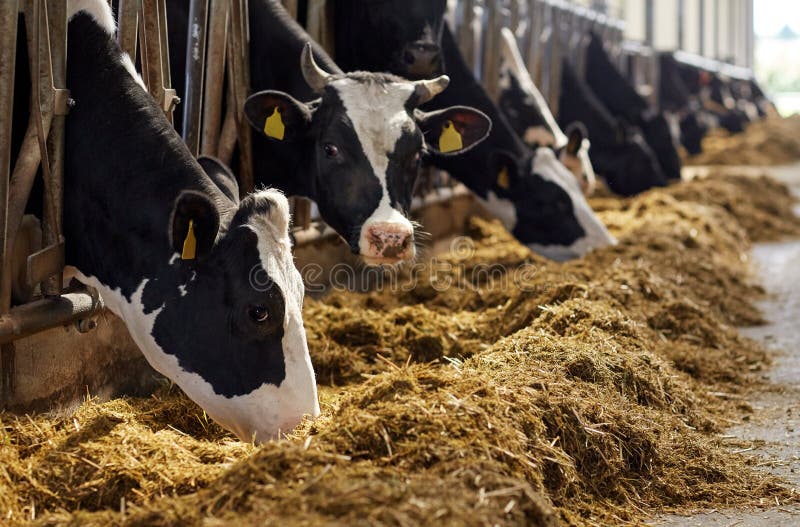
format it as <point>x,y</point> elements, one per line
<point>471,167</point>
<point>124,167</point>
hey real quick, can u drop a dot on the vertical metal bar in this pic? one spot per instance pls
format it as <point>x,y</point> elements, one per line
<point>128,21</point>
<point>195,69</point>
<point>155,54</point>
<point>681,21</point>
<point>8,53</point>
<point>54,20</point>
<point>491,55</point>
<point>702,17</point>
<point>215,77</point>
<point>239,81</point>
<point>466,33</point>
<point>648,22</point>
<point>556,56</point>
<point>716,30</point>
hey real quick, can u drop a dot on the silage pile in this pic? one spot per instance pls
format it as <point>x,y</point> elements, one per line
<point>773,141</point>
<point>501,389</point>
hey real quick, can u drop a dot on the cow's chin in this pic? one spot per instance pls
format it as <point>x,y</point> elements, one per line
<point>376,261</point>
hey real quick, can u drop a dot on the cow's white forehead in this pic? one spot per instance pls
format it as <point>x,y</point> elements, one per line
<point>546,164</point>
<point>380,118</point>
<point>376,109</point>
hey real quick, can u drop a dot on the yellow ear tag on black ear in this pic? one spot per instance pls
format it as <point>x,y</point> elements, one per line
<point>450,140</point>
<point>189,244</point>
<point>502,179</point>
<point>274,127</point>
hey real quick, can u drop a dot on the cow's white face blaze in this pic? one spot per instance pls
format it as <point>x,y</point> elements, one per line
<point>387,235</point>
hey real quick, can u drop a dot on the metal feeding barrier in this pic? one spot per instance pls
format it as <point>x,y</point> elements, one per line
<point>217,67</point>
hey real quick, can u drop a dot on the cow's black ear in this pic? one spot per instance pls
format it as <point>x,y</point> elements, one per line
<point>576,133</point>
<point>453,130</point>
<point>221,175</point>
<point>504,168</point>
<point>277,115</point>
<point>195,224</point>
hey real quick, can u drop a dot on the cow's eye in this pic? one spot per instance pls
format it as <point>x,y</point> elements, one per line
<point>258,314</point>
<point>331,150</point>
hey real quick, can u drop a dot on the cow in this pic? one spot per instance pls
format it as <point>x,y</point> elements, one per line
<point>622,100</point>
<point>204,282</point>
<point>352,142</point>
<point>523,105</point>
<point>619,154</point>
<point>399,36</point>
<point>674,98</point>
<point>699,82</point>
<point>533,194</point>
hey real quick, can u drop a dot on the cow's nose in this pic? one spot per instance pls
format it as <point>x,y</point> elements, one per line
<point>421,59</point>
<point>389,242</point>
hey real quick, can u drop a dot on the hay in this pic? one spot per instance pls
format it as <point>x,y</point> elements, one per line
<point>527,393</point>
<point>773,141</point>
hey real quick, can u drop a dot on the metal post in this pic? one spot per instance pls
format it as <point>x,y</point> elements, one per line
<point>702,26</point>
<point>50,260</point>
<point>215,77</point>
<point>8,53</point>
<point>195,68</point>
<point>466,34</point>
<point>239,82</point>
<point>556,56</point>
<point>491,55</point>
<point>155,55</point>
<point>128,21</point>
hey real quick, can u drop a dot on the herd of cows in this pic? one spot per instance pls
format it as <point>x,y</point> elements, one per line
<point>204,278</point>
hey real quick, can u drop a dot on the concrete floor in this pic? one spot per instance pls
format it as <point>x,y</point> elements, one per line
<point>773,432</point>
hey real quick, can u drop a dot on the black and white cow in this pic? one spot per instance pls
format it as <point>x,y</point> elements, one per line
<point>675,98</point>
<point>534,194</point>
<point>523,105</point>
<point>619,154</point>
<point>622,100</point>
<point>351,142</point>
<point>399,36</point>
<point>206,284</point>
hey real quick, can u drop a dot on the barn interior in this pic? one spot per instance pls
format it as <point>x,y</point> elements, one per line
<point>653,381</point>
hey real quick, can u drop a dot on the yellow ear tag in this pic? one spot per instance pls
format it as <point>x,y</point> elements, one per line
<point>189,244</point>
<point>450,140</point>
<point>502,179</point>
<point>274,126</point>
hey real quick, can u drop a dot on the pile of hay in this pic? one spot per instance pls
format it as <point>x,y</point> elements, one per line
<point>773,141</point>
<point>502,389</point>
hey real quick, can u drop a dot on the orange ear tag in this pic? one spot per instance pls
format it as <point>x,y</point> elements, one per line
<point>189,244</point>
<point>502,179</point>
<point>274,126</point>
<point>450,140</point>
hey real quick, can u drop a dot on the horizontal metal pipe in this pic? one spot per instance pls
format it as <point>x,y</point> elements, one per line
<point>47,313</point>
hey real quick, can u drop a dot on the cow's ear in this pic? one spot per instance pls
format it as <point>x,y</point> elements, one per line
<point>277,115</point>
<point>576,133</point>
<point>195,224</point>
<point>453,130</point>
<point>504,168</point>
<point>221,175</point>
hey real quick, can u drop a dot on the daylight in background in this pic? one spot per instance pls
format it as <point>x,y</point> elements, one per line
<point>777,53</point>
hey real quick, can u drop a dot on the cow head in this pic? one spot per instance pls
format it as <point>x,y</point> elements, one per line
<point>410,34</point>
<point>244,358</point>
<point>575,156</point>
<point>659,136</point>
<point>542,204</point>
<point>627,162</point>
<point>363,141</point>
